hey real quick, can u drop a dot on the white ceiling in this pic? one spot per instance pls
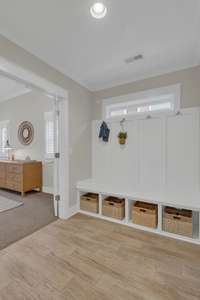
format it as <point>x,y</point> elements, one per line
<point>92,52</point>
<point>10,89</point>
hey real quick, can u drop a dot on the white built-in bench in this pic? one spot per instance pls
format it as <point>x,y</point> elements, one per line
<point>184,200</point>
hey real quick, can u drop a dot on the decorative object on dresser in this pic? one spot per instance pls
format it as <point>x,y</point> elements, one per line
<point>21,176</point>
<point>9,149</point>
<point>26,133</point>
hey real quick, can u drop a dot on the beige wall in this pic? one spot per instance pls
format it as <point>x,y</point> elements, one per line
<point>80,111</point>
<point>190,88</point>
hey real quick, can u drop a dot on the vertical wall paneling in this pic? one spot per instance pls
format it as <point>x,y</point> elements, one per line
<point>151,152</point>
<point>161,153</point>
<point>182,145</point>
<point>123,159</point>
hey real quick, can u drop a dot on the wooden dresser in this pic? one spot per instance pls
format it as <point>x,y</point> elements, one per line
<point>21,176</point>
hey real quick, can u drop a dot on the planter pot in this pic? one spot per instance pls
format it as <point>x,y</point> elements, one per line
<point>122,141</point>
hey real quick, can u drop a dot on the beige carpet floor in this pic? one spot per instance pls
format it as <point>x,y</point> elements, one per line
<point>19,222</point>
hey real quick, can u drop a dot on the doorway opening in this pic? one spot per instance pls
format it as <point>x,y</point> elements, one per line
<point>35,115</point>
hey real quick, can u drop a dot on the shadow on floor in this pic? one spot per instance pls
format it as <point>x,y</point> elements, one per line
<point>19,222</point>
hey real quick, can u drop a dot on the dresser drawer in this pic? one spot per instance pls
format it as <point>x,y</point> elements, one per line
<point>2,170</point>
<point>14,169</point>
<point>2,175</point>
<point>14,177</point>
<point>2,182</point>
<point>15,186</point>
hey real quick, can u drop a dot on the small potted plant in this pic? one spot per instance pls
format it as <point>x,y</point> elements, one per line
<point>122,136</point>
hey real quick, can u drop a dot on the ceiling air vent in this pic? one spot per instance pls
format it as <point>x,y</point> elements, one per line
<point>133,58</point>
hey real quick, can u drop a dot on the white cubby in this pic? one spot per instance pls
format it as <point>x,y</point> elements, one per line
<point>128,215</point>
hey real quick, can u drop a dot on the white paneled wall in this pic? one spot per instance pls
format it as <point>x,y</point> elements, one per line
<point>161,152</point>
<point>151,152</point>
<point>182,149</point>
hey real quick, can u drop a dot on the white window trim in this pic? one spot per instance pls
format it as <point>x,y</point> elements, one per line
<point>48,116</point>
<point>145,97</point>
<point>3,124</point>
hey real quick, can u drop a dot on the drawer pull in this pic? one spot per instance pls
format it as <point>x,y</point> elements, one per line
<point>142,210</point>
<point>176,218</point>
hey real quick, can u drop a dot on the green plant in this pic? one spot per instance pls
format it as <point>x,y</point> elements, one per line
<point>122,135</point>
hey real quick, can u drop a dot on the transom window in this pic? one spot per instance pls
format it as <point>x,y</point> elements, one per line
<point>149,102</point>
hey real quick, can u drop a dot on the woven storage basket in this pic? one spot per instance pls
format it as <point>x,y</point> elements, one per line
<point>114,207</point>
<point>178,221</point>
<point>90,202</point>
<point>145,214</point>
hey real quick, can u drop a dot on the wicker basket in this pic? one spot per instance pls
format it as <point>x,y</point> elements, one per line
<point>114,207</point>
<point>90,202</point>
<point>178,221</point>
<point>145,214</point>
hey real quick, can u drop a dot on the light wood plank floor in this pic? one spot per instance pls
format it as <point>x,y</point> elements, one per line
<point>90,259</point>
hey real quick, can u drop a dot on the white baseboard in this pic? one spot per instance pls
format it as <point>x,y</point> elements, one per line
<point>47,189</point>
<point>71,211</point>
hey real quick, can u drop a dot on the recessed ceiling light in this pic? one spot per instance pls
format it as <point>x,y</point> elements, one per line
<point>98,10</point>
<point>133,58</point>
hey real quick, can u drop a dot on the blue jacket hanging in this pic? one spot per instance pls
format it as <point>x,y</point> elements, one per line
<point>104,132</point>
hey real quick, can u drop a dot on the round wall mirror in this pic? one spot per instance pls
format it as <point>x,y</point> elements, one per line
<point>26,133</point>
